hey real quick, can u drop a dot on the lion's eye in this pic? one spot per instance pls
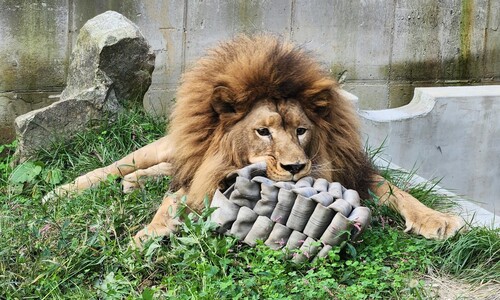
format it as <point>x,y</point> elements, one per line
<point>263,132</point>
<point>301,130</point>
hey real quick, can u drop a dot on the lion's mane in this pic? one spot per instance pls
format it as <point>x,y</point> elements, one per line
<point>252,68</point>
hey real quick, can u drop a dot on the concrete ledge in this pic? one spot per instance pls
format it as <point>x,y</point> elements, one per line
<point>471,212</point>
<point>451,133</point>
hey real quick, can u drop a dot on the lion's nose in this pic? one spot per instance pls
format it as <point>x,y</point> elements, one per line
<point>293,168</point>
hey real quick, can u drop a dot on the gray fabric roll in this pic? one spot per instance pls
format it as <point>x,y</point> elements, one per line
<point>337,231</point>
<point>301,211</point>
<point>305,191</point>
<point>269,198</point>
<point>324,251</point>
<point>320,219</point>
<point>278,237</point>
<point>324,198</point>
<point>295,240</point>
<point>291,214</point>
<point>308,250</point>
<point>244,222</point>
<point>259,231</point>
<point>246,192</point>
<point>361,217</point>
<point>341,206</point>
<point>352,197</point>
<point>286,199</point>
<point>321,185</point>
<point>304,182</point>
<point>335,189</point>
<point>226,213</point>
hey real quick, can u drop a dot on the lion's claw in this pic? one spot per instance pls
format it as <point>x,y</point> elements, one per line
<point>48,197</point>
<point>435,225</point>
<point>58,192</point>
<point>132,182</point>
<point>130,186</point>
<point>154,230</point>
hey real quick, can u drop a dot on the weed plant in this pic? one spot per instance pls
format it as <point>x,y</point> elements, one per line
<point>79,247</point>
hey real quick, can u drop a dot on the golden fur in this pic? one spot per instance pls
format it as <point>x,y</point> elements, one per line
<point>254,69</point>
<point>252,99</point>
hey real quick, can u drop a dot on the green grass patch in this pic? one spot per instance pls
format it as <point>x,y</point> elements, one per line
<point>80,247</point>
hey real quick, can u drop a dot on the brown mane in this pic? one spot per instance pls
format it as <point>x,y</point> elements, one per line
<point>253,68</point>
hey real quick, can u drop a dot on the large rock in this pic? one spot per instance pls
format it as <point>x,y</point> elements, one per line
<point>110,67</point>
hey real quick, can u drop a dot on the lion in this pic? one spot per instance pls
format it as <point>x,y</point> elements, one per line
<point>253,99</point>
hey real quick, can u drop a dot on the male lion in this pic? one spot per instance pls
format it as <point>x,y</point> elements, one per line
<point>260,99</point>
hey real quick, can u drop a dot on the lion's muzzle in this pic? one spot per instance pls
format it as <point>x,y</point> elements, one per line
<point>287,172</point>
<point>293,168</point>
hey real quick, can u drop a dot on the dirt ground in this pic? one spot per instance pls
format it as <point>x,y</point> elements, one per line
<point>447,288</point>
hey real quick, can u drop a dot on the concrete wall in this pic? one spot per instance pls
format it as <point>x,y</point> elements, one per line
<point>448,133</point>
<point>382,49</point>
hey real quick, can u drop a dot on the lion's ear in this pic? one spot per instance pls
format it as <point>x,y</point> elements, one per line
<point>322,103</point>
<point>222,100</point>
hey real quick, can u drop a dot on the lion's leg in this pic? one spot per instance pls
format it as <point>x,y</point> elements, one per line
<point>164,221</point>
<point>152,154</point>
<point>419,218</point>
<point>135,179</point>
<point>202,185</point>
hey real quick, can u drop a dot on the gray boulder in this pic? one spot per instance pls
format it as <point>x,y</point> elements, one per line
<point>110,68</point>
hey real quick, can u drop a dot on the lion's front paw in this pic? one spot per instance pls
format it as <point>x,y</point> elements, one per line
<point>434,224</point>
<point>153,230</point>
<point>59,192</point>
<point>142,236</point>
<point>130,183</point>
<point>129,186</point>
<point>49,197</point>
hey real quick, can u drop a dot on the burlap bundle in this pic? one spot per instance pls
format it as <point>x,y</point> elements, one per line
<point>289,215</point>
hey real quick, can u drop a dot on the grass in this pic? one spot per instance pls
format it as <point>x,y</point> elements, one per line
<point>80,247</point>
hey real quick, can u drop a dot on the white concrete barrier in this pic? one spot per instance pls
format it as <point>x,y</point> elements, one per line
<point>447,133</point>
<point>472,213</point>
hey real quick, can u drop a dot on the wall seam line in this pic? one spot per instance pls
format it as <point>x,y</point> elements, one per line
<point>391,50</point>
<point>184,36</point>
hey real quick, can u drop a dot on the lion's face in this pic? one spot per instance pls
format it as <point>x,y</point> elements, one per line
<point>277,132</point>
<point>258,98</point>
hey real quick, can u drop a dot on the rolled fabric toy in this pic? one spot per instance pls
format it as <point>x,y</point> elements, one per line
<point>289,215</point>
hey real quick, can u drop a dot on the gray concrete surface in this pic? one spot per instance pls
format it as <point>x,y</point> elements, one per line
<point>472,213</point>
<point>448,133</point>
<point>383,49</point>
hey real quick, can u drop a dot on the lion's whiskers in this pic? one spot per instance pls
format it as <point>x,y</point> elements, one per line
<point>313,157</point>
<point>319,169</point>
